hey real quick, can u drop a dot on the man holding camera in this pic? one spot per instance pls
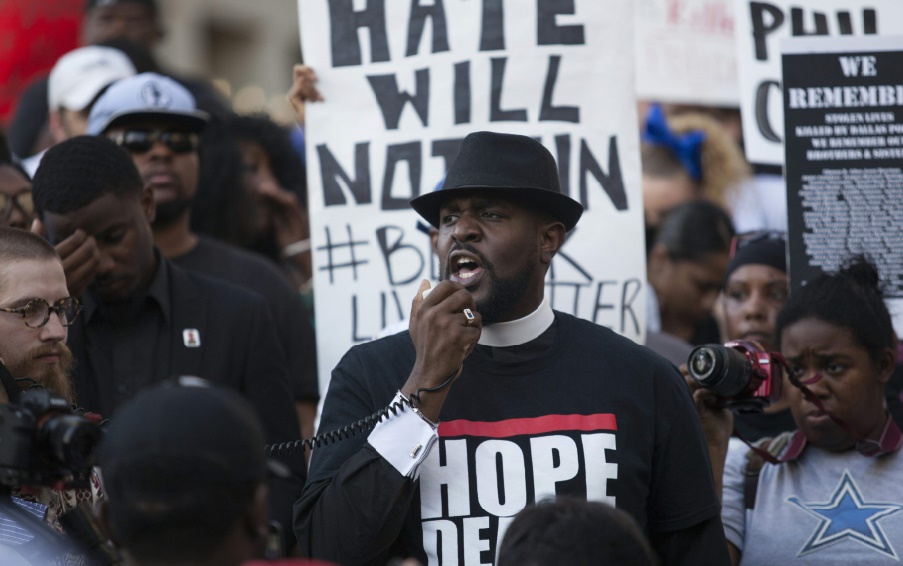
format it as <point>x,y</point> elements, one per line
<point>35,313</point>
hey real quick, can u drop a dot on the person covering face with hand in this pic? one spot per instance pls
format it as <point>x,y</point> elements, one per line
<point>145,319</point>
<point>157,122</point>
<point>497,400</point>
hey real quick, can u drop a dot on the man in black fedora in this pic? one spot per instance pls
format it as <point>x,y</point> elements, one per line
<point>505,401</point>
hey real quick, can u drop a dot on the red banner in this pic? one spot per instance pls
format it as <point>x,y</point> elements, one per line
<point>33,35</point>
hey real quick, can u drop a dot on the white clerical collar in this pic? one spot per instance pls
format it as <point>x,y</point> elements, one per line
<point>520,331</point>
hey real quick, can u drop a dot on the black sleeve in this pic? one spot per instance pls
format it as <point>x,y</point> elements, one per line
<point>265,385</point>
<point>703,543</point>
<point>301,351</point>
<point>356,516</point>
<point>684,511</point>
<point>355,503</point>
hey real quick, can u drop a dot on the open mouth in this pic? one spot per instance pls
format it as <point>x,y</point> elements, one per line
<point>465,268</point>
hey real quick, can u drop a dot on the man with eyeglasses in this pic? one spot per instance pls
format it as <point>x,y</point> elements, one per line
<point>35,314</point>
<point>146,320</point>
<point>155,119</point>
<point>16,207</point>
<point>35,311</point>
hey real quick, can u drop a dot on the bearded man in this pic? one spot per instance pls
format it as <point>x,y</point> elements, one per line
<point>35,311</point>
<point>533,403</point>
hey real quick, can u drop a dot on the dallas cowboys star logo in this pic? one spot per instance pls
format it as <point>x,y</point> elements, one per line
<point>847,517</point>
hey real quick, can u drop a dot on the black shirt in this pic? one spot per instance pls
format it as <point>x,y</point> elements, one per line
<point>579,411</point>
<point>138,347</point>
<point>188,324</point>
<point>255,272</point>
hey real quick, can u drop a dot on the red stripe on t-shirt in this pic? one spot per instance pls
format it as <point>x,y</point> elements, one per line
<point>535,425</point>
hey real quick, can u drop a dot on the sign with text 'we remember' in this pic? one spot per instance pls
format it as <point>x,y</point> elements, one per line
<point>843,112</point>
<point>760,27</point>
<point>404,82</point>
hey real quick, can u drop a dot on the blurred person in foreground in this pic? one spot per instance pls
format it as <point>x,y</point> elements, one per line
<point>828,492</point>
<point>186,477</point>
<point>574,532</point>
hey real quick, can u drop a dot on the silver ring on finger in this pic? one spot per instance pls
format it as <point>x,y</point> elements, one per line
<point>469,316</point>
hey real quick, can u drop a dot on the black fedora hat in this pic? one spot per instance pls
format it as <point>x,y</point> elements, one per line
<point>518,167</point>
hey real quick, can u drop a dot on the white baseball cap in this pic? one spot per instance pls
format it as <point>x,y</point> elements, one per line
<point>78,76</point>
<point>145,97</point>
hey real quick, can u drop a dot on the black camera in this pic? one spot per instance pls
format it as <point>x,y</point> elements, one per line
<point>743,374</point>
<point>44,443</point>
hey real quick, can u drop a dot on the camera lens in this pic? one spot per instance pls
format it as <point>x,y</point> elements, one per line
<point>71,440</point>
<point>723,370</point>
<point>701,363</point>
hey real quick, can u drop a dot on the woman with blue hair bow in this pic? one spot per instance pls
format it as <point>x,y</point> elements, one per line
<point>686,157</point>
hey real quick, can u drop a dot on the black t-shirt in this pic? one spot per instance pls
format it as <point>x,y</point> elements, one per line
<point>593,415</point>
<point>254,272</point>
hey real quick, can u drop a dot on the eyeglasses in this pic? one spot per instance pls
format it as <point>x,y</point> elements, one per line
<point>742,240</point>
<point>36,312</point>
<point>141,141</point>
<point>22,199</point>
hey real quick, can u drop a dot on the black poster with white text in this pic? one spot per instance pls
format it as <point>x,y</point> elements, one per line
<point>843,116</point>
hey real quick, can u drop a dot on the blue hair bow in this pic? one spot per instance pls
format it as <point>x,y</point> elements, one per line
<point>686,147</point>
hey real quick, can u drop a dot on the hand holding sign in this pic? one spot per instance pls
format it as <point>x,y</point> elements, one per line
<point>303,89</point>
<point>443,336</point>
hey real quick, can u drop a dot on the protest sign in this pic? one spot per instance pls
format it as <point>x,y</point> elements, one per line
<point>686,52</point>
<point>843,115</point>
<point>760,28</point>
<point>404,82</point>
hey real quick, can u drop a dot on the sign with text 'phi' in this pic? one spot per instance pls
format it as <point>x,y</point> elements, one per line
<point>686,52</point>
<point>760,28</point>
<point>843,111</point>
<point>404,82</point>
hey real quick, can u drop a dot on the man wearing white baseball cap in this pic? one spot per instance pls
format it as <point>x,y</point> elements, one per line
<point>77,80</point>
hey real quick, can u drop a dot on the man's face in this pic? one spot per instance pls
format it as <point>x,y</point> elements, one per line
<point>133,21</point>
<point>497,250</point>
<point>16,191</point>
<point>172,175</point>
<point>66,124</point>
<point>38,353</point>
<point>121,227</point>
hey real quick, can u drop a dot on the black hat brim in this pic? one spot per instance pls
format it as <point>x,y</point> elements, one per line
<point>561,207</point>
<point>192,121</point>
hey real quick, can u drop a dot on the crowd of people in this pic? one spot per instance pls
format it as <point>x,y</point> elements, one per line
<point>156,280</point>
